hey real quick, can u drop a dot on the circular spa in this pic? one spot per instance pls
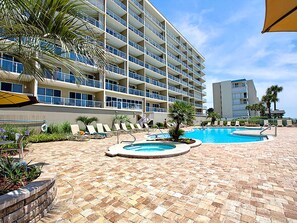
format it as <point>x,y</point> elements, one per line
<point>150,149</point>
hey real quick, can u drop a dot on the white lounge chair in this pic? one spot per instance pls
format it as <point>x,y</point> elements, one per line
<point>221,123</point>
<point>133,127</point>
<point>237,123</point>
<point>215,123</point>
<point>266,123</point>
<point>289,123</point>
<point>107,129</point>
<point>279,123</point>
<point>124,127</point>
<point>208,124</point>
<point>117,127</point>
<point>228,123</point>
<point>100,130</point>
<point>93,132</point>
<point>79,135</point>
<point>139,127</point>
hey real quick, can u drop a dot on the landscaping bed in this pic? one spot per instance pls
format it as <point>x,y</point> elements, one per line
<point>186,141</point>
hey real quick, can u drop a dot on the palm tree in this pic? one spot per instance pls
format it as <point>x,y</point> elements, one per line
<point>249,108</point>
<point>45,33</point>
<point>214,116</point>
<point>86,120</point>
<point>180,112</point>
<point>274,90</point>
<point>267,100</point>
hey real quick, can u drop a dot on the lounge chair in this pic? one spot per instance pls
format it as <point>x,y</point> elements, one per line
<point>124,127</point>
<point>289,123</point>
<point>117,127</point>
<point>147,127</point>
<point>228,123</point>
<point>215,123</point>
<point>266,123</point>
<point>208,124</point>
<point>78,135</point>
<point>133,128</point>
<point>139,127</point>
<point>279,123</point>
<point>93,132</point>
<point>237,123</point>
<point>19,146</point>
<point>108,130</point>
<point>221,123</point>
<point>100,130</point>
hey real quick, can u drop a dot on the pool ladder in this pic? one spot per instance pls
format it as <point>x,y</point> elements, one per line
<point>269,128</point>
<point>129,132</point>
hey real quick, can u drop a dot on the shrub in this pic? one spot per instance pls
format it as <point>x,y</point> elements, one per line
<point>16,174</point>
<point>59,128</point>
<point>47,137</point>
<point>174,135</point>
<point>160,124</point>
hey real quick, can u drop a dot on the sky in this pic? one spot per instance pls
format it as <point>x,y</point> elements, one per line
<point>228,34</point>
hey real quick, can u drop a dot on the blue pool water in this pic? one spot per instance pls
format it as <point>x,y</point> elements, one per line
<point>217,135</point>
<point>149,147</point>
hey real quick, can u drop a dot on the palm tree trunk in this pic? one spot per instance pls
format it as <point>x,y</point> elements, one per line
<point>274,105</point>
<point>176,132</point>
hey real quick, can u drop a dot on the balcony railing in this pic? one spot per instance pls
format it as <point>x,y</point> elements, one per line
<point>136,92</point>
<point>156,96</point>
<point>91,20</point>
<point>135,45</point>
<point>156,57</point>
<point>115,69</point>
<point>135,16</point>
<point>154,31</point>
<point>174,47</point>
<point>175,89</point>
<point>69,102</point>
<point>173,57</point>
<point>139,33</point>
<point>70,78</point>
<point>155,69</point>
<point>99,4</point>
<point>155,82</point>
<point>173,36</point>
<point>114,87</point>
<point>137,4</point>
<point>154,109</point>
<point>155,20</point>
<point>174,67</point>
<point>154,44</point>
<point>123,105</point>
<point>11,66</point>
<point>119,3</point>
<point>116,34</point>
<point>135,60</point>
<point>116,51</point>
<point>136,76</point>
<point>116,17</point>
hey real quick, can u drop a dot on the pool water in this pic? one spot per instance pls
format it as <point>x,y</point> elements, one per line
<point>149,147</point>
<point>217,135</point>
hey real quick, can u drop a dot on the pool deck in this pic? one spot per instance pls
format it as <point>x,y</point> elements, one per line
<point>252,182</point>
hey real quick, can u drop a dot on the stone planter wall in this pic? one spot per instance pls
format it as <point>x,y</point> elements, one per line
<point>29,203</point>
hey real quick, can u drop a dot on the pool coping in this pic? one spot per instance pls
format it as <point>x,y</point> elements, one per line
<point>180,149</point>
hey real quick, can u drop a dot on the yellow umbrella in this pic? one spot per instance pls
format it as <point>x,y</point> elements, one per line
<point>11,99</point>
<point>281,16</point>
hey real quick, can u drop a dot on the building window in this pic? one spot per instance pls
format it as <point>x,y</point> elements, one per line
<point>11,87</point>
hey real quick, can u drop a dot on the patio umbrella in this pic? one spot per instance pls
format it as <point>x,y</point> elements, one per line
<point>11,99</point>
<point>281,16</point>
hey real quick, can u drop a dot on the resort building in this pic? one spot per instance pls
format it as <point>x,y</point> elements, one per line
<point>230,98</point>
<point>153,66</point>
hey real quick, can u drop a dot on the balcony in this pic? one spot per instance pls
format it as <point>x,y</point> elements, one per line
<point>174,57</point>
<point>70,78</point>
<point>174,68</point>
<point>155,20</point>
<point>155,82</point>
<point>137,61</point>
<point>119,3</point>
<point>115,69</point>
<point>136,92</point>
<point>156,96</point>
<point>137,4</point>
<point>123,105</point>
<point>156,57</point>
<point>139,33</point>
<point>116,52</point>
<point>114,87</point>
<point>116,17</point>
<point>135,45</point>
<point>135,16</point>
<point>91,20</point>
<point>69,102</point>
<point>99,4</point>
<point>154,109</point>
<point>136,76</point>
<point>154,44</point>
<point>116,34</point>
<point>175,89</point>
<point>11,66</point>
<point>155,69</point>
<point>155,31</point>
<point>173,37</point>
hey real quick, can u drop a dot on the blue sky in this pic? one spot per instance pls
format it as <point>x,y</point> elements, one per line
<point>228,34</point>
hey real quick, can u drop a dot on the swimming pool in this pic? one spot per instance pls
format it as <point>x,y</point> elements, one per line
<point>216,135</point>
<point>149,147</point>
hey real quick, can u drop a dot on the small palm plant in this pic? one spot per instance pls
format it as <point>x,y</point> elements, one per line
<point>86,120</point>
<point>180,112</point>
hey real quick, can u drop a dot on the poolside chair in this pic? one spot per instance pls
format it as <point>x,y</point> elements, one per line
<point>100,130</point>
<point>215,123</point>
<point>237,123</point>
<point>208,124</point>
<point>93,132</point>
<point>117,127</point>
<point>133,128</point>
<point>124,127</point>
<point>139,127</point>
<point>147,127</point>
<point>221,123</point>
<point>78,135</point>
<point>108,130</point>
<point>279,123</point>
<point>228,123</point>
<point>289,123</point>
<point>266,123</point>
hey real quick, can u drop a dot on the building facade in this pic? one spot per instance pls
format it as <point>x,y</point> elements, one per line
<point>230,98</point>
<point>152,66</point>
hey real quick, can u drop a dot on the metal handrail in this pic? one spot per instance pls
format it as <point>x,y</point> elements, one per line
<point>267,128</point>
<point>129,132</point>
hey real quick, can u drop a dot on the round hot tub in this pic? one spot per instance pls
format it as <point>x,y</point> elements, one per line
<point>149,147</point>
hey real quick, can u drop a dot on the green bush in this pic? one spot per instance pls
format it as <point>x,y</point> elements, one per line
<point>15,174</point>
<point>59,128</point>
<point>47,137</point>
<point>174,135</point>
<point>160,124</point>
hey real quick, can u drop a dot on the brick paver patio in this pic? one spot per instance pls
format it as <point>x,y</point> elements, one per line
<point>254,182</point>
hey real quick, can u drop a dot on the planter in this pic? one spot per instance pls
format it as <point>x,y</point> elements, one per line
<point>29,203</point>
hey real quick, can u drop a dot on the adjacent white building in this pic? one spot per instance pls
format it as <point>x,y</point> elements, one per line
<point>230,98</point>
